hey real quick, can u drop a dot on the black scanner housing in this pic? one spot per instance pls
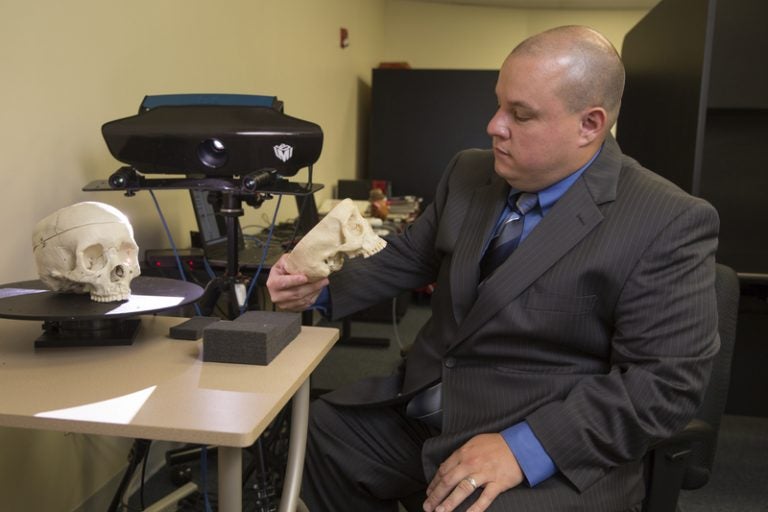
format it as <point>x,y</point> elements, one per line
<point>214,140</point>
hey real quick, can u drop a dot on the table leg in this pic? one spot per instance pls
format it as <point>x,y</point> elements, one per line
<point>230,479</point>
<point>296,449</point>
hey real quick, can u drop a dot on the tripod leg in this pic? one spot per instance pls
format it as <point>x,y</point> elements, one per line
<point>211,296</point>
<point>138,453</point>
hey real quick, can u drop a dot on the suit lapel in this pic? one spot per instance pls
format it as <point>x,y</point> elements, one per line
<point>465,271</point>
<point>567,223</point>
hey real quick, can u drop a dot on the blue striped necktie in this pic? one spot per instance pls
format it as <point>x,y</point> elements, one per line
<point>507,236</point>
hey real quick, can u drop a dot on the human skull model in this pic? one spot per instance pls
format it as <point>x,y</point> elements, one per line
<point>87,247</point>
<point>342,232</point>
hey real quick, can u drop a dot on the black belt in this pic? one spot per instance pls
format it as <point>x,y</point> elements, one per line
<point>427,406</point>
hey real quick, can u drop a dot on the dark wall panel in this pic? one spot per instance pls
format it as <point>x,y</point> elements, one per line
<point>664,96</point>
<point>420,118</point>
<point>696,111</point>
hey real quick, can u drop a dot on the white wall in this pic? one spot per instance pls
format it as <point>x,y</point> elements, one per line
<point>451,36</point>
<point>68,67</point>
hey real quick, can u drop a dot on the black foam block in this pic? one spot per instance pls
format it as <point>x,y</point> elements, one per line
<point>192,329</point>
<point>255,337</point>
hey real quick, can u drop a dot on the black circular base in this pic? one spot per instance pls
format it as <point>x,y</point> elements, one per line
<point>71,319</point>
<point>88,333</point>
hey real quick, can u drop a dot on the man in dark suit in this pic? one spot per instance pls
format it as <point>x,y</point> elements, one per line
<point>550,371</point>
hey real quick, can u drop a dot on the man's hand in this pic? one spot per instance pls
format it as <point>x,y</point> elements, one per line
<point>485,461</point>
<point>292,292</point>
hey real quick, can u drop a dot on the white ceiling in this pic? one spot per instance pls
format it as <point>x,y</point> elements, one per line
<point>555,4</point>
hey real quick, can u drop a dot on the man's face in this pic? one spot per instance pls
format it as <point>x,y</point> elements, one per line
<point>536,140</point>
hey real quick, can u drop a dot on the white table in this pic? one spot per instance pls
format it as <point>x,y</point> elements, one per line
<point>160,389</point>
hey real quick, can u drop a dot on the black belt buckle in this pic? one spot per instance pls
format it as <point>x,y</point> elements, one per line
<point>427,406</point>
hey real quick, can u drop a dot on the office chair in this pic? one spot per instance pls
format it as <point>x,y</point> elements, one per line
<point>685,460</point>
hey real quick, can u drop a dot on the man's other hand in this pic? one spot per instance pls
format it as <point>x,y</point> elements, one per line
<point>484,461</point>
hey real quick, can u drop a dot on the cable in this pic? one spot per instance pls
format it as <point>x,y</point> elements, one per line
<point>144,475</point>
<point>137,453</point>
<point>173,245</point>
<point>204,477</point>
<point>297,222</point>
<point>208,269</point>
<point>264,253</point>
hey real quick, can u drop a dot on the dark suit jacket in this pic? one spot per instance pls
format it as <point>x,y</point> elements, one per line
<point>599,330</point>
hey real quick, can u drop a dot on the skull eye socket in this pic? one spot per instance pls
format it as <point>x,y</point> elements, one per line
<point>94,257</point>
<point>354,228</point>
<point>127,248</point>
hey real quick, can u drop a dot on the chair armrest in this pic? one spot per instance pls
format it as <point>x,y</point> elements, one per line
<point>695,431</point>
<point>668,466</point>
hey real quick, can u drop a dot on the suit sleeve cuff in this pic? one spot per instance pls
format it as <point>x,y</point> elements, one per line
<point>537,466</point>
<point>323,303</point>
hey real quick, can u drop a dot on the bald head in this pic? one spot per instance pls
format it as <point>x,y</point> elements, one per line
<point>592,74</point>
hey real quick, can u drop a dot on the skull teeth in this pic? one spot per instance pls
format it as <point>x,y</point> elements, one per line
<point>378,246</point>
<point>110,298</point>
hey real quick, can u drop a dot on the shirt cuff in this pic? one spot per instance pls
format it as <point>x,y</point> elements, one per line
<point>323,303</point>
<point>537,466</point>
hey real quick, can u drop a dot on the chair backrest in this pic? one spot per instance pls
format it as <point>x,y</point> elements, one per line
<point>713,404</point>
<point>684,461</point>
